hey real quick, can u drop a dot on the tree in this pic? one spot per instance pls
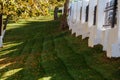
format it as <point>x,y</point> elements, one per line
<point>63,23</point>
<point>1,15</point>
<point>16,9</point>
<point>56,13</point>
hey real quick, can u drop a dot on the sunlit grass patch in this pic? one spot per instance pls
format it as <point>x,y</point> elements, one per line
<point>11,44</point>
<point>2,66</point>
<point>10,73</point>
<point>9,48</point>
<point>45,78</point>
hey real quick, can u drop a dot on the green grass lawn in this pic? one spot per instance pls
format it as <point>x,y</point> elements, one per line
<point>36,49</point>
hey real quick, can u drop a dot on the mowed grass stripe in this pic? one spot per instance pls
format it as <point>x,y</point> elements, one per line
<point>61,60</point>
<point>19,60</point>
<point>83,53</point>
<point>51,63</point>
<point>44,51</point>
<point>32,69</point>
<point>33,66</point>
<point>95,58</point>
<point>75,63</point>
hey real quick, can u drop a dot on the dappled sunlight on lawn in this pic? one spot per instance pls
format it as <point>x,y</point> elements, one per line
<point>39,50</point>
<point>2,59</point>
<point>15,25</point>
<point>10,44</point>
<point>9,48</point>
<point>7,52</point>
<point>20,57</point>
<point>2,66</point>
<point>10,73</point>
<point>25,22</point>
<point>45,78</point>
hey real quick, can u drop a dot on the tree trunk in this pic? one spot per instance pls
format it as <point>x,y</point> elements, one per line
<point>56,13</point>
<point>64,23</point>
<point>5,25</point>
<point>1,22</point>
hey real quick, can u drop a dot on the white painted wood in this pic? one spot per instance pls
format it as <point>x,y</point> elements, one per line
<point>84,5</point>
<point>71,12</point>
<point>92,4</point>
<point>83,28</point>
<point>92,34</point>
<point>108,37</point>
<point>100,22</point>
<point>73,17</point>
<point>114,51</point>
<point>91,27</point>
<point>106,33</point>
<point>69,18</point>
<point>78,29</point>
<point>77,24</point>
<point>111,40</point>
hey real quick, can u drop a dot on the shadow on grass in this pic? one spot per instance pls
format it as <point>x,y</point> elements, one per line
<point>20,59</point>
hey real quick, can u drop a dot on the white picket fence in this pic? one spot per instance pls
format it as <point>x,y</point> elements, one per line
<point>99,20</point>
